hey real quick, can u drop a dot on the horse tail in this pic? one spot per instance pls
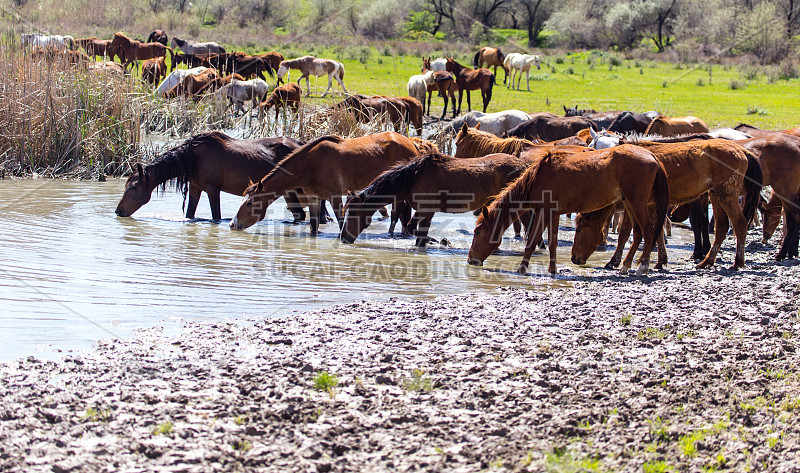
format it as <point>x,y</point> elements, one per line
<point>341,71</point>
<point>476,58</point>
<point>489,92</point>
<point>753,182</point>
<point>661,198</point>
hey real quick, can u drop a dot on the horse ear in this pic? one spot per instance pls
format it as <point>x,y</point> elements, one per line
<point>477,126</point>
<point>250,182</point>
<point>565,108</point>
<point>140,171</point>
<point>464,127</point>
<point>591,132</point>
<point>485,212</point>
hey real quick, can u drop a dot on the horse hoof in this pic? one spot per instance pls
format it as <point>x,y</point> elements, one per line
<point>623,271</point>
<point>523,269</point>
<point>611,265</point>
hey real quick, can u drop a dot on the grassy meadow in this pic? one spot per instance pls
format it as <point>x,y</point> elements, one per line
<point>722,95</point>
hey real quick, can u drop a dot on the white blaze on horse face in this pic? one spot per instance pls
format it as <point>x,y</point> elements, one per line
<point>283,70</point>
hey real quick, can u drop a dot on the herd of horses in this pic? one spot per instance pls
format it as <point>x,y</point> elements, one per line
<point>527,182</point>
<point>511,168</point>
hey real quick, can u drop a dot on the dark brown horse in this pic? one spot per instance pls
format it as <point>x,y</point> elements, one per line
<point>95,47</point>
<point>627,122</point>
<point>548,127</point>
<point>471,79</point>
<point>602,119</point>
<point>779,157</point>
<point>492,57</point>
<point>414,112</point>
<point>196,85</point>
<point>366,109</point>
<point>327,167</point>
<point>576,182</point>
<point>721,168</point>
<point>158,36</point>
<point>444,82</point>
<point>131,51</point>
<point>432,183</point>
<point>210,162</point>
<point>191,60</point>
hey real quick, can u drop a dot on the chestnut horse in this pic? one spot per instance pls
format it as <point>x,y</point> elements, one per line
<point>153,70</point>
<point>327,167</point>
<point>673,126</point>
<point>779,157</point>
<point>471,79</point>
<point>288,95</point>
<point>720,167</point>
<point>492,57</point>
<point>211,162</point>
<point>432,183</point>
<point>576,182</point>
<point>444,82</point>
<point>131,51</point>
<point>473,143</point>
<point>196,85</point>
<point>272,58</point>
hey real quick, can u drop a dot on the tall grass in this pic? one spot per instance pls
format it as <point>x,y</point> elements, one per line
<point>61,119</point>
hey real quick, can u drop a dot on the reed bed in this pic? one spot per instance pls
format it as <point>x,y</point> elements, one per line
<point>57,118</point>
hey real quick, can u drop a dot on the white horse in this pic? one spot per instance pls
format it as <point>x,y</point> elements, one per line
<point>308,65</point>
<point>418,87</point>
<point>253,90</point>
<point>522,63</point>
<point>176,77</point>
<point>495,123</point>
<point>439,64</point>
<point>56,41</point>
<point>729,134</point>
<point>194,47</point>
<point>603,139</point>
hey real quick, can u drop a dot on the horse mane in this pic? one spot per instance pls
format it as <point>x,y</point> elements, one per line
<point>398,178</point>
<point>299,152</point>
<point>424,146</point>
<point>177,165</point>
<point>482,143</point>
<point>515,193</point>
<point>636,139</point>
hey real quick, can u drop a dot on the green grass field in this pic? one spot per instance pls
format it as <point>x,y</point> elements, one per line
<point>721,97</point>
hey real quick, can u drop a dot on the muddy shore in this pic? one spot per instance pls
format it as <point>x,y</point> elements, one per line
<point>681,371</point>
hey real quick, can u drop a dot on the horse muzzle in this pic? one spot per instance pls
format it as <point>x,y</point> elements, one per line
<point>578,261</point>
<point>474,262</point>
<point>121,213</point>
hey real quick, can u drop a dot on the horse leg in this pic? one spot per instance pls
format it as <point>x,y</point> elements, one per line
<point>330,84</point>
<point>510,85</point>
<point>517,229</point>
<point>662,252</point>
<point>338,209</point>
<point>469,102</point>
<point>341,82</point>
<point>194,198</point>
<point>213,200</point>
<point>697,224</point>
<point>527,78</point>
<point>445,98</point>
<point>789,242</point>
<point>624,232</point>
<point>720,232</point>
<point>293,204</point>
<point>308,84</point>
<point>534,235</point>
<point>423,225</point>
<point>460,97</point>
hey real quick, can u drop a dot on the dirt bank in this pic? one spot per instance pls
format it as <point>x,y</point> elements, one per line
<point>690,370</point>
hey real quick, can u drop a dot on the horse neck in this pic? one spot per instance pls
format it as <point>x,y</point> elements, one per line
<point>178,163</point>
<point>289,172</point>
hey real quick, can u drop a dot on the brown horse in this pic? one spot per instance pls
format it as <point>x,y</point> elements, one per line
<point>414,112</point>
<point>273,59</point>
<point>196,85</point>
<point>95,47</point>
<point>210,162</point>
<point>444,82</point>
<point>158,36</point>
<point>432,183</point>
<point>548,127</point>
<point>779,157</point>
<point>191,60</point>
<point>153,70</point>
<point>471,79</point>
<point>576,182</point>
<point>366,109</point>
<point>720,167</point>
<point>288,95</point>
<point>492,57</point>
<point>131,51</point>
<point>327,167</point>
<point>673,126</point>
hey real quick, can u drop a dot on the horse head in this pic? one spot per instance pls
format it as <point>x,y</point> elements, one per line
<point>253,207</point>
<point>588,234</point>
<point>486,236</point>
<point>137,193</point>
<point>357,216</point>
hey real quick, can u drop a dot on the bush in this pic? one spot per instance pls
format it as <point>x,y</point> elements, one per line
<point>421,21</point>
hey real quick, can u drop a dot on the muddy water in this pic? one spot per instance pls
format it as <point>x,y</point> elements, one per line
<point>72,272</point>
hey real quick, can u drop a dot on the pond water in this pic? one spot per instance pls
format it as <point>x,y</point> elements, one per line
<point>72,272</point>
